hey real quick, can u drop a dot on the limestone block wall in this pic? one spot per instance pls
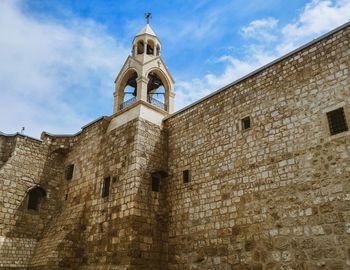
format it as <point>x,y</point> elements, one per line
<point>124,230</point>
<point>28,163</point>
<point>7,144</point>
<point>274,196</point>
<point>151,212</point>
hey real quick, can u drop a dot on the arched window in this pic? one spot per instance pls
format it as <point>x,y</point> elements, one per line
<point>140,47</point>
<point>150,47</point>
<point>156,91</point>
<point>128,89</point>
<point>158,50</point>
<point>35,198</point>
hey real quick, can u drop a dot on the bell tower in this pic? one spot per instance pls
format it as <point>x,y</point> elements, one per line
<point>144,86</point>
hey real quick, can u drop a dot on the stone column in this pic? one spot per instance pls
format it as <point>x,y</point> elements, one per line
<point>142,83</point>
<point>170,102</point>
<point>145,48</point>
<point>118,99</point>
<point>116,102</point>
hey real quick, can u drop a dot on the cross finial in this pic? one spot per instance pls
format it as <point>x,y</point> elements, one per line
<point>148,16</point>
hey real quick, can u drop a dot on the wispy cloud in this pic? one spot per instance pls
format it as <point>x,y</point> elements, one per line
<point>194,31</point>
<point>261,29</point>
<point>267,41</point>
<point>51,72</point>
<point>317,17</point>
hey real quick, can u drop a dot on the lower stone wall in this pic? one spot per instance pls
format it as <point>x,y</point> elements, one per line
<point>28,165</point>
<point>291,211</point>
<point>20,248</point>
<point>272,192</point>
<point>125,230</point>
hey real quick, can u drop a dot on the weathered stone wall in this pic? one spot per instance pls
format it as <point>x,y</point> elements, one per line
<point>275,196</point>
<point>127,229</point>
<point>27,163</point>
<point>7,144</point>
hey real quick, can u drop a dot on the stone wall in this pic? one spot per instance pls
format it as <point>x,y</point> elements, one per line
<point>274,196</point>
<point>122,231</point>
<point>7,144</point>
<point>26,165</point>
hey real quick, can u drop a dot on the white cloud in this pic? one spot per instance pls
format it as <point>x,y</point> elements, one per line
<point>261,29</point>
<point>50,73</point>
<point>268,42</point>
<point>190,91</point>
<point>317,18</point>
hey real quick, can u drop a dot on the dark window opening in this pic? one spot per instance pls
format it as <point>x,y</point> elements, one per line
<point>155,183</point>
<point>140,47</point>
<point>35,197</point>
<point>246,123</point>
<point>150,49</point>
<point>105,187</point>
<point>156,91</point>
<point>186,176</point>
<point>337,121</point>
<point>156,177</point>
<point>66,197</point>
<point>131,86</point>
<point>68,172</point>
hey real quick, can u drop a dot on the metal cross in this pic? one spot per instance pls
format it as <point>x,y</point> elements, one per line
<point>148,16</point>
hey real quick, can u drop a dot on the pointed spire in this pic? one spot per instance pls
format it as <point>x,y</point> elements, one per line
<point>146,30</point>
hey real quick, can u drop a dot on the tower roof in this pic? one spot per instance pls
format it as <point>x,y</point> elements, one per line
<point>146,30</point>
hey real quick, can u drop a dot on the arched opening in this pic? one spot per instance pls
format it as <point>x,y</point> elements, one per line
<point>35,198</point>
<point>150,47</point>
<point>158,50</point>
<point>140,47</point>
<point>128,91</point>
<point>156,91</point>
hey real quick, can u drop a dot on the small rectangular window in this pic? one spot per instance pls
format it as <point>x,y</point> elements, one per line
<point>155,183</point>
<point>186,176</point>
<point>246,123</point>
<point>105,187</point>
<point>68,172</point>
<point>337,121</point>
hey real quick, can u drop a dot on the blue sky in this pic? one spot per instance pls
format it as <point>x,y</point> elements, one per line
<point>59,58</point>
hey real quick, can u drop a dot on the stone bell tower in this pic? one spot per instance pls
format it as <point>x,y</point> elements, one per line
<point>144,86</point>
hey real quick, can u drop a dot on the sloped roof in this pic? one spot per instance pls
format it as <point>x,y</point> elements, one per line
<point>146,30</point>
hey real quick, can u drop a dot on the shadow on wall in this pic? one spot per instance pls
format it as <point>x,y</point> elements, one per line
<point>61,243</point>
<point>34,213</point>
<point>152,225</point>
<point>7,146</point>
